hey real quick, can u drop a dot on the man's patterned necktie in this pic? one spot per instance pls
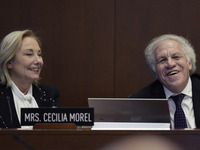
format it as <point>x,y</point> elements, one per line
<point>179,116</point>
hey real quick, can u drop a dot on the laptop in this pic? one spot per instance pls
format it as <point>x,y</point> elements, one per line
<point>112,113</point>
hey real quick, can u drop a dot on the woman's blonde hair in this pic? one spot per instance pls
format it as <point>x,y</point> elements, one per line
<point>8,48</point>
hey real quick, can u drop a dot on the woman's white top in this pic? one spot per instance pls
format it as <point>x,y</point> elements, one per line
<point>23,101</point>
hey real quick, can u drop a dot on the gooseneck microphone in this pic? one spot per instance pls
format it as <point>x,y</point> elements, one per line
<point>10,110</point>
<point>20,140</point>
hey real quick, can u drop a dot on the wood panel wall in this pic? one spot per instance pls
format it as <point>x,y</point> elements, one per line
<point>95,48</point>
<point>138,21</point>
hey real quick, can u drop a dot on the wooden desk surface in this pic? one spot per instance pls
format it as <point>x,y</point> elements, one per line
<point>86,139</point>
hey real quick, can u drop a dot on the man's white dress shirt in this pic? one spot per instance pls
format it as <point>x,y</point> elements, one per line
<point>187,105</point>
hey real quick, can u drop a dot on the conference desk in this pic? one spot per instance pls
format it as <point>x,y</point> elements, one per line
<point>85,139</point>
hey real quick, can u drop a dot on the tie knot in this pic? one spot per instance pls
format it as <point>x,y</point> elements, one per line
<point>178,99</point>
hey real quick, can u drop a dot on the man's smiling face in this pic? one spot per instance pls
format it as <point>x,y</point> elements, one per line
<point>172,66</point>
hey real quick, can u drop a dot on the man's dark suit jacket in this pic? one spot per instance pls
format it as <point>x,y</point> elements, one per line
<point>155,90</point>
<point>45,96</point>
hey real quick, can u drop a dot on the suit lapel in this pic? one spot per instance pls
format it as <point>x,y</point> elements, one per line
<point>196,100</point>
<point>6,95</point>
<point>38,95</point>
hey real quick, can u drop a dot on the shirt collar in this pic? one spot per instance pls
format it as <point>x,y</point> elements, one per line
<point>187,90</point>
<point>19,94</point>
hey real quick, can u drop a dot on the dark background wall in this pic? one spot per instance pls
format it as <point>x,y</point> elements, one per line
<point>94,48</point>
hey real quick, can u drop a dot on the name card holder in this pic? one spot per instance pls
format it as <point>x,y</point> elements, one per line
<point>57,118</point>
<point>54,126</point>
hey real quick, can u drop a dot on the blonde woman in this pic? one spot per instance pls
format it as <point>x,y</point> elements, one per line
<point>20,67</point>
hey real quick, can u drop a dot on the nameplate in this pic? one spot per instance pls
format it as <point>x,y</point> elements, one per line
<point>78,116</point>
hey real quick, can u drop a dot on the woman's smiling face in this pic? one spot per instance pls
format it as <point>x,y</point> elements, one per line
<point>26,66</point>
<point>172,66</point>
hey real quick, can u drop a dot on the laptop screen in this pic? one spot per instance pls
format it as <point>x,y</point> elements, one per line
<point>130,110</point>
